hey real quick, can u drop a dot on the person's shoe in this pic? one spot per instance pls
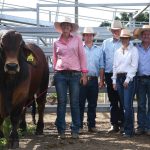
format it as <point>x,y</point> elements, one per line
<point>121,130</point>
<point>148,132</point>
<point>93,129</point>
<point>62,135</point>
<point>81,131</point>
<point>139,131</point>
<point>126,135</point>
<point>113,129</point>
<point>75,135</point>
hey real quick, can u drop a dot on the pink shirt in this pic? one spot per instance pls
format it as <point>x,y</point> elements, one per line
<point>69,55</point>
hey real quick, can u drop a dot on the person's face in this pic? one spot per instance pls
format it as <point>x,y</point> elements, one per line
<point>88,37</point>
<point>125,41</point>
<point>116,33</point>
<point>66,27</point>
<point>145,36</point>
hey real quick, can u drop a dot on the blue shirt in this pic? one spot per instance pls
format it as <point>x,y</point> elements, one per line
<point>144,60</point>
<point>95,62</point>
<point>109,46</point>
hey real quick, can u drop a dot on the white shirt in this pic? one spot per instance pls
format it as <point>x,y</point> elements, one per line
<point>125,61</point>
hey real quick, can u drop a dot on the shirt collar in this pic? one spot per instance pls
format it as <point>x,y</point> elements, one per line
<point>93,46</point>
<point>112,40</point>
<point>130,46</point>
<point>141,46</point>
<point>61,39</point>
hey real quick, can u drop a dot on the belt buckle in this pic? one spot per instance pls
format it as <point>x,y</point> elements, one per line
<point>88,78</point>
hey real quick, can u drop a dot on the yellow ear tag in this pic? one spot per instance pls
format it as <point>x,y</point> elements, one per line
<point>30,58</point>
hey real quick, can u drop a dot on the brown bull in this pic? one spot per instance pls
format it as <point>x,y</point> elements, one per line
<point>23,73</point>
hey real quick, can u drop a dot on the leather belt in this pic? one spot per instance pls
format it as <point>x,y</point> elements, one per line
<point>92,77</point>
<point>121,75</point>
<point>145,77</point>
<point>69,72</point>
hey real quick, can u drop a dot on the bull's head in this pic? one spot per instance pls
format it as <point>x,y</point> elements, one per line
<point>10,45</point>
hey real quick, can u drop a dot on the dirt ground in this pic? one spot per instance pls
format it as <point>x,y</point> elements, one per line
<point>87,141</point>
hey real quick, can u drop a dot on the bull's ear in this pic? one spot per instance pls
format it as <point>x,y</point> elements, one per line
<point>30,56</point>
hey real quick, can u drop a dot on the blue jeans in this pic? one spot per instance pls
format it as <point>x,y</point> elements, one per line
<point>143,93</point>
<point>89,93</point>
<point>116,108</point>
<point>127,96</point>
<point>63,82</point>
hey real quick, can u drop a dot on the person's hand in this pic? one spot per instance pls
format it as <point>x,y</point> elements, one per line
<point>83,79</point>
<point>125,84</point>
<point>114,87</point>
<point>101,84</point>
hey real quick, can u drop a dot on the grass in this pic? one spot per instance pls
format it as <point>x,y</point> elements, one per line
<point>6,130</point>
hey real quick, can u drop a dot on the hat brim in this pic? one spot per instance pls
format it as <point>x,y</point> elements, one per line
<point>125,36</point>
<point>109,28</point>
<point>88,33</point>
<point>58,28</point>
<point>137,32</point>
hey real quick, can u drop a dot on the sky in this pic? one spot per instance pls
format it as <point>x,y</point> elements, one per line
<point>87,16</point>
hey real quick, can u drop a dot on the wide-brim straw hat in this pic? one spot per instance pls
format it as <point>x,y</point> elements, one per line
<point>137,32</point>
<point>125,33</point>
<point>58,28</point>
<point>116,25</point>
<point>88,30</point>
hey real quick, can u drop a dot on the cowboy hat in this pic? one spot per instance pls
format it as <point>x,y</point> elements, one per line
<point>88,30</point>
<point>125,33</point>
<point>116,25</point>
<point>58,28</point>
<point>137,32</point>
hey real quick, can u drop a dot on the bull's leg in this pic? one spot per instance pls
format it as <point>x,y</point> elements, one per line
<point>34,112</point>
<point>1,127</point>
<point>13,141</point>
<point>22,122</point>
<point>41,107</point>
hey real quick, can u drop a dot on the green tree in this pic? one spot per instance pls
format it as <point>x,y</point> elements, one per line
<point>143,17</point>
<point>117,18</point>
<point>124,16</point>
<point>105,24</point>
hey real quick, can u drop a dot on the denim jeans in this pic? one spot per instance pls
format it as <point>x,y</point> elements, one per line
<point>127,96</point>
<point>143,92</point>
<point>89,93</point>
<point>63,83</point>
<point>116,108</point>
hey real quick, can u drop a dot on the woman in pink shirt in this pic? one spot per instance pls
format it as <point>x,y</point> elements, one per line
<point>69,62</point>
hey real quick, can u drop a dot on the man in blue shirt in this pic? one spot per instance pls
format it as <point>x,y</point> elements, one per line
<point>95,65</point>
<point>109,46</point>
<point>143,90</point>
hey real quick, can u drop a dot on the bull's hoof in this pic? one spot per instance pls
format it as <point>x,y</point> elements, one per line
<point>13,144</point>
<point>39,132</point>
<point>39,129</point>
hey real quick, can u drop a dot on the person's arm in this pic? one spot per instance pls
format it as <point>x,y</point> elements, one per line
<point>54,56</point>
<point>82,56</point>
<point>101,83</point>
<point>83,63</point>
<point>114,71</point>
<point>101,72</point>
<point>133,66</point>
